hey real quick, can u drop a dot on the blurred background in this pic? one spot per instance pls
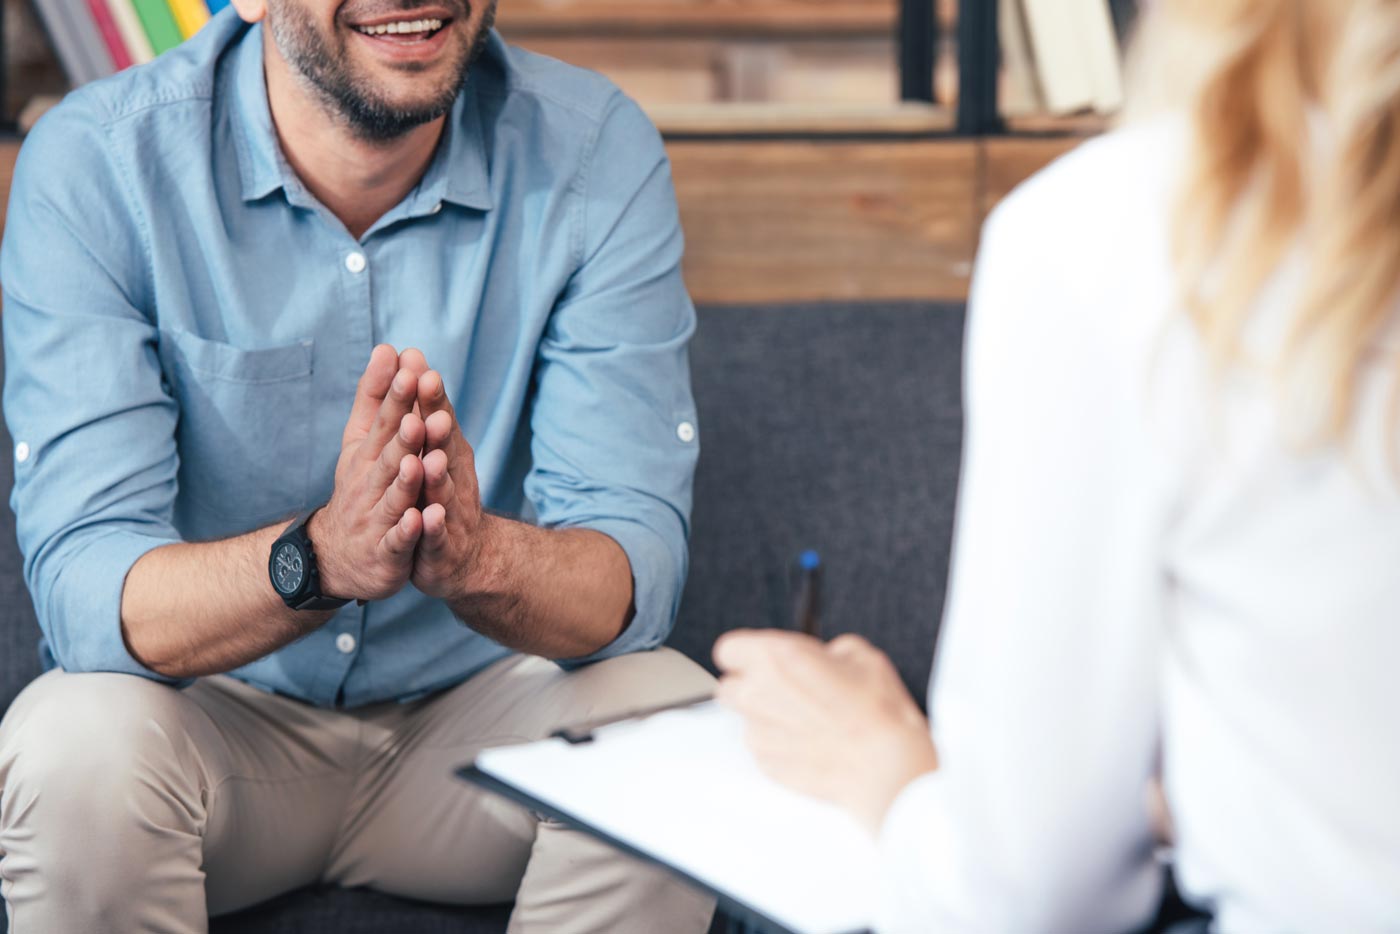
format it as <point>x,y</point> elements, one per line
<point>823,149</point>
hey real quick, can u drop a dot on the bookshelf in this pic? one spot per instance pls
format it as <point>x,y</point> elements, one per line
<point>880,199</point>
<point>874,61</point>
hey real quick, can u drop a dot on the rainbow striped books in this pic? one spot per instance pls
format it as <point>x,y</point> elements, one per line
<point>189,15</point>
<point>96,38</point>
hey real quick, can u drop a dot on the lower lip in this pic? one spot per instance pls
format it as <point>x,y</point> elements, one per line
<point>394,49</point>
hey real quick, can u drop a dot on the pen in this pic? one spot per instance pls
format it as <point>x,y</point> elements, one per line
<point>807,608</point>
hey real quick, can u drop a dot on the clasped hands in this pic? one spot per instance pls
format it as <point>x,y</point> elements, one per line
<point>406,505</point>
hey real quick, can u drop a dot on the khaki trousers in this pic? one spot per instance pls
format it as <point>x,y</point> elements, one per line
<point>128,806</point>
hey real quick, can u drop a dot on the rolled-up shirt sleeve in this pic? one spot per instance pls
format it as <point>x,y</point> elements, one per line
<point>613,422</point>
<point>93,422</point>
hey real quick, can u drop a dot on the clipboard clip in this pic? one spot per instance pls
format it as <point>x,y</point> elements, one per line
<point>583,732</point>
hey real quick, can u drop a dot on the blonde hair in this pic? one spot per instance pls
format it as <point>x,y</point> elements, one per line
<point>1252,78</point>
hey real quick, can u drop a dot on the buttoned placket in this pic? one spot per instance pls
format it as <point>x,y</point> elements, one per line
<point>356,274</point>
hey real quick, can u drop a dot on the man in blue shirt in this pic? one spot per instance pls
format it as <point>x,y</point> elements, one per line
<point>365,266</point>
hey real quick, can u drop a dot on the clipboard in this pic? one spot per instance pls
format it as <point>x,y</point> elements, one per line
<point>677,788</point>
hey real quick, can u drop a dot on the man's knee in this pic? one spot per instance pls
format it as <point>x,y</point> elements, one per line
<point>642,679</point>
<point>93,738</point>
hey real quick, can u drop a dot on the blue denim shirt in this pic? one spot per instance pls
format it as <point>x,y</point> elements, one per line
<point>184,326</point>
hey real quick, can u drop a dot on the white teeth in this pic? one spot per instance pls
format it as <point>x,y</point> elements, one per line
<point>405,27</point>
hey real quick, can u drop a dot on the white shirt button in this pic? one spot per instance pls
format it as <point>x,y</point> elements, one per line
<point>436,208</point>
<point>355,262</point>
<point>686,432</point>
<point>21,452</point>
<point>345,642</point>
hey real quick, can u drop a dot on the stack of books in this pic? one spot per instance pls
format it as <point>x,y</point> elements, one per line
<point>96,38</point>
<point>1063,56</point>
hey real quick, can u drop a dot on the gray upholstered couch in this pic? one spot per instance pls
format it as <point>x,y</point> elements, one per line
<point>834,428</point>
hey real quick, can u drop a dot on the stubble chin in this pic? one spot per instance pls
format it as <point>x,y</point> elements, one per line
<point>351,93</point>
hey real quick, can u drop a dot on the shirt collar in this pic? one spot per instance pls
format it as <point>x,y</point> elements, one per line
<point>459,171</point>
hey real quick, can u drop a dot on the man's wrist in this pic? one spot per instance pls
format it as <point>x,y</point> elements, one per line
<point>484,570</point>
<point>327,572</point>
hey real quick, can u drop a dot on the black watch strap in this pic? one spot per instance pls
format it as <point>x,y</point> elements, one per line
<point>294,572</point>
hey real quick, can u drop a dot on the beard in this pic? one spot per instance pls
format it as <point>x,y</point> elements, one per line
<point>324,67</point>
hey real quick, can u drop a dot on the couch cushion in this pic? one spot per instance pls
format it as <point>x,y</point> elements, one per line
<point>836,428</point>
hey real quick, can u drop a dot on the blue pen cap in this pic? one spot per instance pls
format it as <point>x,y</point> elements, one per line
<point>809,560</point>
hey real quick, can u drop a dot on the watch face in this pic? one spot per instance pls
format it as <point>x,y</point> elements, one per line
<point>288,569</point>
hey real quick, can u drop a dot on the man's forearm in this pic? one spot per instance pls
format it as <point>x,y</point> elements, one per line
<point>558,593</point>
<point>201,609</point>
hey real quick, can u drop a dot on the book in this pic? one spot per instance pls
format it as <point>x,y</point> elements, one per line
<point>1076,51</point>
<point>159,24</point>
<point>681,789</point>
<point>75,37</point>
<point>138,44</point>
<point>111,35</point>
<point>216,5</point>
<point>189,15</point>
<point>1021,93</point>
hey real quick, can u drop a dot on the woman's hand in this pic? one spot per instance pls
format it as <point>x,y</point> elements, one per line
<point>830,720</point>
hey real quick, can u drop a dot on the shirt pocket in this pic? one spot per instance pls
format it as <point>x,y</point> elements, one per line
<point>243,434</point>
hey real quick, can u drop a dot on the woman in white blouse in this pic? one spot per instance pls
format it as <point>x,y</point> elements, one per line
<point>1178,544</point>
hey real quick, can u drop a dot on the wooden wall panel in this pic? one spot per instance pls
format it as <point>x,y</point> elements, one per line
<point>669,70</point>
<point>814,221</point>
<point>802,221</point>
<point>518,18</point>
<point>1011,160</point>
<point>9,151</point>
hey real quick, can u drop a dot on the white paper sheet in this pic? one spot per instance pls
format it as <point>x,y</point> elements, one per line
<point>681,787</point>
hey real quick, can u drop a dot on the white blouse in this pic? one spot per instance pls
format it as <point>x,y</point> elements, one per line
<point>1149,576</point>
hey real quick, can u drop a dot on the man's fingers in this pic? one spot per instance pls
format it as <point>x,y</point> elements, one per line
<point>402,493</point>
<point>437,478</point>
<point>408,440</point>
<point>441,426</point>
<point>397,404</point>
<point>432,395</point>
<point>434,530</point>
<point>403,535</point>
<point>413,360</point>
<point>435,520</point>
<point>370,393</point>
<point>444,434</point>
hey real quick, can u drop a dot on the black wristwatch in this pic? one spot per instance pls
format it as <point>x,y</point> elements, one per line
<point>292,567</point>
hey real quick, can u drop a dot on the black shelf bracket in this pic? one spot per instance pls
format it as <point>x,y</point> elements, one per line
<point>979,62</point>
<point>918,49</point>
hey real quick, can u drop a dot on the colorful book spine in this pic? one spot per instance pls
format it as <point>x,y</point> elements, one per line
<point>76,39</point>
<point>138,44</point>
<point>111,35</point>
<point>189,15</point>
<point>159,24</point>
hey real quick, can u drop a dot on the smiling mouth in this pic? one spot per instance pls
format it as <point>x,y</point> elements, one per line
<point>404,31</point>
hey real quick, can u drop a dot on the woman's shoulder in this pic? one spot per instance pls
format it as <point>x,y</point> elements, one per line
<point>1093,228</point>
<point>1110,192</point>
